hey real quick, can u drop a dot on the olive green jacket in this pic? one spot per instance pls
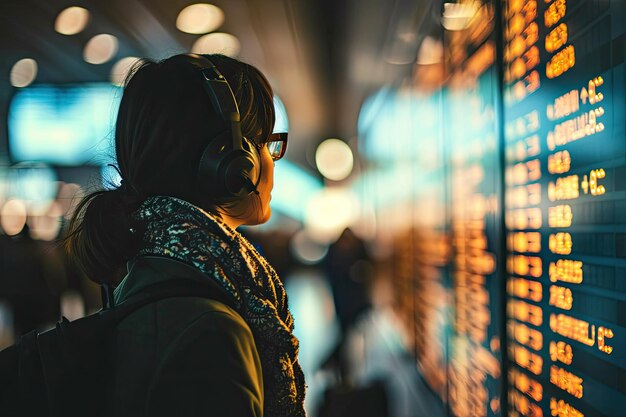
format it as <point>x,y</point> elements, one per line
<point>183,356</point>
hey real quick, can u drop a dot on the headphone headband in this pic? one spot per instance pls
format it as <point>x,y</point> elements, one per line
<point>226,165</point>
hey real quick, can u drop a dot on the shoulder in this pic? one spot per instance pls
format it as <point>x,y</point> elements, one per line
<point>200,318</point>
<point>212,367</point>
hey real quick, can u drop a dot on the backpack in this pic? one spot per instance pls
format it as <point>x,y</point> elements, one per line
<point>65,371</point>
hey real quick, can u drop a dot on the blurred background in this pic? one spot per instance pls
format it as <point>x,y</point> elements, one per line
<point>448,220</point>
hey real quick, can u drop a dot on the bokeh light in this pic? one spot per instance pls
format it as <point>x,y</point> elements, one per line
<point>100,49</point>
<point>13,217</point>
<point>329,212</point>
<point>217,43</point>
<point>72,20</point>
<point>34,184</point>
<point>72,305</point>
<point>46,226</point>
<point>456,16</point>
<point>69,197</point>
<point>306,249</point>
<point>334,159</point>
<point>199,18</point>
<point>430,52</point>
<point>23,72</point>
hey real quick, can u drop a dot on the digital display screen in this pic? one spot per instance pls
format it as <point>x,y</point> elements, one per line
<point>565,207</point>
<point>63,125</point>
<point>511,273</point>
<point>474,357</point>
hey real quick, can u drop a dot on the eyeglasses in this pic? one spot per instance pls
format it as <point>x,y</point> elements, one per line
<point>277,145</point>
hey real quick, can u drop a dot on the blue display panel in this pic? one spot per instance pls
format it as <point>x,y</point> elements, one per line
<point>565,162</point>
<point>63,125</point>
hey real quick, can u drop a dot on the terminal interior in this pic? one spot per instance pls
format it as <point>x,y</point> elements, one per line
<point>449,220</point>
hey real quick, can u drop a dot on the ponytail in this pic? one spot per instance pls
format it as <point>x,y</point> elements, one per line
<point>102,236</point>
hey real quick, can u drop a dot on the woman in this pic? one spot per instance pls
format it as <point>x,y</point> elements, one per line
<point>189,179</point>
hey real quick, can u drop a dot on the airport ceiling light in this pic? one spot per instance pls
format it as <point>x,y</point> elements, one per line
<point>200,18</point>
<point>72,20</point>
<point>23,72</point>
<point>100,49</point>
<point>334,159</point>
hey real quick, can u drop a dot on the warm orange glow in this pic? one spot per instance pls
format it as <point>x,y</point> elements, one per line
<point>575,329</point>
<point>523,288</point>
<point>516,70</point>
<point>515,26</point>
<point>559,162</point>
<point>522,311</point>
<point>590,93</point>
<point>524,172</point>
<point>559,408</point>
<point>564,105</point>
<point>523,405</point>
<point>525,358</point>
<point>515,6</point>
<point>522,149</point>
<point>604,333</point>
<point>576,128</point>
<point>565,188</point>
<point>560,243</point>
<point>525,335</point>
<point>554,13</point>
<point>532,82</point>
<point>561,62</point>
<point>567,381</point>
<point>561,351</point>
<point>561,297</point>
<point>566,270</point>
<point>518,91</point>
<point>531,34</point>
<point>525,384</point>
<point>524,265</point>
<point>560,216</point>
<point>529,10</point>
<point>529,218</point>
<point>592,186</point>
<point>531,58</point>
<point>556,38</point>
<point>524,242</point>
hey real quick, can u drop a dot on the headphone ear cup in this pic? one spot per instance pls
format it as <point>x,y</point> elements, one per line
<point>240,171</point>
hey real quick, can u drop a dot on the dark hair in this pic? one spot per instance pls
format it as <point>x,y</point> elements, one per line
<point>164,122</point>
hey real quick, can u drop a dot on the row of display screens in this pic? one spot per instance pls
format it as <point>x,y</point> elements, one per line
<point>529,254</point>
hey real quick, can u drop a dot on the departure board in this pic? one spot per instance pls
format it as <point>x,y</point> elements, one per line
<point>474,357</point>
<point>519,281</point>
<point>565,207</point>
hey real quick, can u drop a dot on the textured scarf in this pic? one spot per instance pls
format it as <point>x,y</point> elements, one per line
<point>177,229</point>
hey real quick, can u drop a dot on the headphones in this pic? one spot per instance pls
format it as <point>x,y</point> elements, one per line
<point>229,161</point>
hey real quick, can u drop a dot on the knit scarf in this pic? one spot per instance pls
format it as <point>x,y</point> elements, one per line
<point>177,229</point>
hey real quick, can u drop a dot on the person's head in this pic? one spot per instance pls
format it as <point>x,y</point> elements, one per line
<point>165,122</point>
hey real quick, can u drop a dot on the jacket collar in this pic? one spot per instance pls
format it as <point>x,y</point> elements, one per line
<point>147,270</point>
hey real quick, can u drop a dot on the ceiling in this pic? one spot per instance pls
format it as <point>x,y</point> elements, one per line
<point>322,57</point>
